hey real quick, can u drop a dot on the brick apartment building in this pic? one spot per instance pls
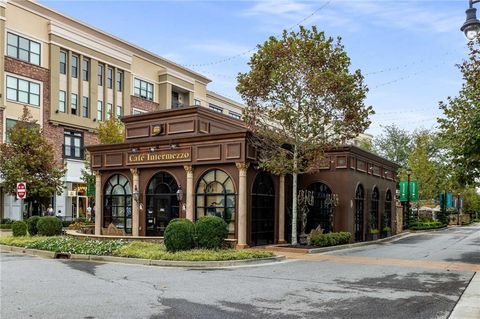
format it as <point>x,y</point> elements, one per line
<point>72,76</point>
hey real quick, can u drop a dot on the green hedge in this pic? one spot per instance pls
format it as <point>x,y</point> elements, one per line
<point>49,226</point>
<point>179,235</point>
<point>32,225</point>
<point>5,226</point>
<point>6,221</point>
<point>211,231</point>
<point>19,228</point>
<point>330,239</point>
<point>419,225</point>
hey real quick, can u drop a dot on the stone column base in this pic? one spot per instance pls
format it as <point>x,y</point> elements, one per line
<point>241,246</point>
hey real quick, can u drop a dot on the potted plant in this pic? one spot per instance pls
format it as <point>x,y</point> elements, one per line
<point>374,232</point>
<point>387,231</point>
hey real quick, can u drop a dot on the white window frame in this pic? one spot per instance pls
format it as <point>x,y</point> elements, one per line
<point>24,79</point>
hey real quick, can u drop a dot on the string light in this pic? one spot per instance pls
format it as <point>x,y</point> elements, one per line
<point>233,57</point>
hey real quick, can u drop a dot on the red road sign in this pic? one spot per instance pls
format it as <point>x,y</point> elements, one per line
<point>21,190</point>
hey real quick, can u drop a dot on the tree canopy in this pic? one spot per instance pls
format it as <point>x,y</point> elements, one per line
<point>301,99</point>
<point>29,158</point>
<point>460,128</point>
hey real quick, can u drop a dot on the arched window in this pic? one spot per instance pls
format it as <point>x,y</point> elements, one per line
<point>263,210</point>
<point>118,203</point>
<point>216,196</point>
<point>321,213</point>
<point>387,212</point>
<point>373,222</point>
<point>162,203</point>
<point>359,207</point>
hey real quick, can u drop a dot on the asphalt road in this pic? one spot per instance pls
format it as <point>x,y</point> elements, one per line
<point>32,287</point>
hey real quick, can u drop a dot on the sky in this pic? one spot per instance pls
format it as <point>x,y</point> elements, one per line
<point>407,49</point>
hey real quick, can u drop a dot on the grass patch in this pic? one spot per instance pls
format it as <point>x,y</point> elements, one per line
<point>158,252</point>
<point>20,241</point>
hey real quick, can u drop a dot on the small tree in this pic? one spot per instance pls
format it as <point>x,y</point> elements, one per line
<point>301,99</point>
<point>394,144</point>
<point>112,131</point>
<point>28,157</point>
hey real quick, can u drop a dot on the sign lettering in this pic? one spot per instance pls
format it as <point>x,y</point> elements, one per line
<point>159,156</point>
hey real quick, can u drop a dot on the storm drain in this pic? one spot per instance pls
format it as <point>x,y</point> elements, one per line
<point>62,256</point>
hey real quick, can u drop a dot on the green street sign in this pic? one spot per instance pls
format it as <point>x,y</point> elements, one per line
<point>404,191</point>
<point>91,188</point>
<point>414,191</point>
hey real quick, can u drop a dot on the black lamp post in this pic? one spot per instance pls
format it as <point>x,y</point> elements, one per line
<point>471,27</point>
<point>409,172</point>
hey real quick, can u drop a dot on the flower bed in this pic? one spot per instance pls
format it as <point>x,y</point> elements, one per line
<point>122,248</point>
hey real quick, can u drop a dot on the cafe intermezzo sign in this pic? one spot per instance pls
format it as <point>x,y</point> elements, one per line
<point>160,156</point>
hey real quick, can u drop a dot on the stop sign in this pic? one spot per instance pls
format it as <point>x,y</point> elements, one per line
<point>21,190</point>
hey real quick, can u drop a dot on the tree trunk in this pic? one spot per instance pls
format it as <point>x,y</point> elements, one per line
<point>294,197</point>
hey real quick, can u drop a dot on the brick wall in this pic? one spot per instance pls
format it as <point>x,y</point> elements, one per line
<point>142,104</point>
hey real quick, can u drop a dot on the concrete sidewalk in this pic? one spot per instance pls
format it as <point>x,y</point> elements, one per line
<point>468,307</point>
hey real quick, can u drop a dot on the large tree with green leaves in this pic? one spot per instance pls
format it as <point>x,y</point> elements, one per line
<point>394,144</point>
<point>301,100</point>
<point>460,128</point>
<point>29,158</point>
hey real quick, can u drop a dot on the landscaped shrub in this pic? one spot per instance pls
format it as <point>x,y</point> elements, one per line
<point>49,226</point>
<point>32,225</point>
<point>77,246</point>
<point>330,239</point>
<point>179,235</point>
<point>211,231</point>
<point>19,228</point>
<point>6,221</point>
<point>426,225</point>
<point>5,226</point>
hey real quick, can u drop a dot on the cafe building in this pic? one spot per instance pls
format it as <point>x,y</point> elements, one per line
<point>192,162</point>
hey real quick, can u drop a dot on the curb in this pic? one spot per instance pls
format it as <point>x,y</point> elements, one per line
<point>146,262</point>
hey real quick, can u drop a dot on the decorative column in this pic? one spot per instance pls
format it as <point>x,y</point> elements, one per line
<point>98,203</point>
<point>242,205</point>
<point>190,195</point>
<point>281,210</point>
<point>135,202</point>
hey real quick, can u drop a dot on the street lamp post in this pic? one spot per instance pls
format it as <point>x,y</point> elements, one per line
<point>458,209</point>
<point>471,27</point>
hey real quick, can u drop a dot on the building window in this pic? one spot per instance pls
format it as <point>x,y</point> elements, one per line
<point>85,69</point>
<point>23,49</point>
<point>63,62</point>
<point>23,91</point>
<point>62,101</point>
<point>9,124</point>
<point>73,106</point>
<point>373,218</point>
<point>100,111</point>
<point>215,108</point>
<point>73,147</point>
<point>119,111</point>
<point>235,115</point>
<point>108,112</point>
<point>216,196</point>
<point>109,78</point>
<point>197,102</point>
<point>100,74</point>
<point>176,100</point>
<point>117,208</point>
<point>85,108</point>
<point>143,89</point>
<point>74,66</point>
<point>119,81</point>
